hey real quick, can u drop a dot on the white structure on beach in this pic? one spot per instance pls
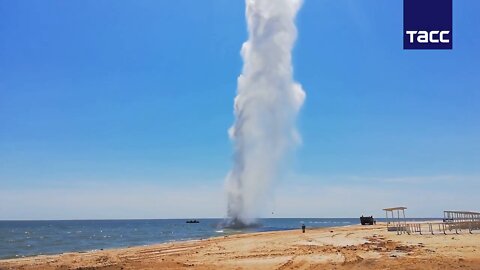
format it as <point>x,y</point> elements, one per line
<point>452,221</point>
<point>461,216</point>
<point>397,223</point>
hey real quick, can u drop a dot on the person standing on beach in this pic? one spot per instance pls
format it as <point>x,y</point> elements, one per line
<point>303,228</point>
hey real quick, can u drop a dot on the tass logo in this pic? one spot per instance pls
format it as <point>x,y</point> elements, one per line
<point>429,37</point>
<point>427,24</point>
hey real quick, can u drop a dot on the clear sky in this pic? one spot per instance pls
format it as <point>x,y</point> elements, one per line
<point>120,109</point>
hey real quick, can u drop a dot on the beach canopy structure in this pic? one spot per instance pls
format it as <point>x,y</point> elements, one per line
<point>462,220</point>
<point>395,221</point>
<point>453,221</point>
<point>461,216</point>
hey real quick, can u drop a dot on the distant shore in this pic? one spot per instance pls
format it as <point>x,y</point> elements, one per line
<point>348,247</point>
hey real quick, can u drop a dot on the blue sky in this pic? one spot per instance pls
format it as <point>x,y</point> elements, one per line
<point>120,109</point>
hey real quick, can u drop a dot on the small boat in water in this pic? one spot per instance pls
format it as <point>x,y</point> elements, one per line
<point>192,221</point>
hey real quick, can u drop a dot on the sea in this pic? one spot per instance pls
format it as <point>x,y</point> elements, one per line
<point>29,238</point>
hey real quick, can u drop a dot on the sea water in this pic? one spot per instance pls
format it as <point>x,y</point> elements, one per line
<point>28,238</point>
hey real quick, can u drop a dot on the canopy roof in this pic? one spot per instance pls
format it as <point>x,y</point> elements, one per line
<point>394,208</point>
<point>462,212</point>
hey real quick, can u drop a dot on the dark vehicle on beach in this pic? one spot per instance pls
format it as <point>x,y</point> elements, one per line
<point>192,221</point>
<point>367,220</point>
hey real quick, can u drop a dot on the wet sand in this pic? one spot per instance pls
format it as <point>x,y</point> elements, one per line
<point>352,247</point>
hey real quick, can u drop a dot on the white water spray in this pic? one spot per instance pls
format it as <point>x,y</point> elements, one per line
<point>266,106</point>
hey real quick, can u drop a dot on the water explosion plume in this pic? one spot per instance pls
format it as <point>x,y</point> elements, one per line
<point>266,106</point>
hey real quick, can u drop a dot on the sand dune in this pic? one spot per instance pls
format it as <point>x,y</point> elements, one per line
<point>353,247</point>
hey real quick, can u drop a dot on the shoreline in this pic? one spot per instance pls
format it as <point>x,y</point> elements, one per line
<point>219,232</point>
<point>179,241</point>
<point>342,247</point>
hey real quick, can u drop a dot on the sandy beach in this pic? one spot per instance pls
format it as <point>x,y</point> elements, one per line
<point>351,247</point>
